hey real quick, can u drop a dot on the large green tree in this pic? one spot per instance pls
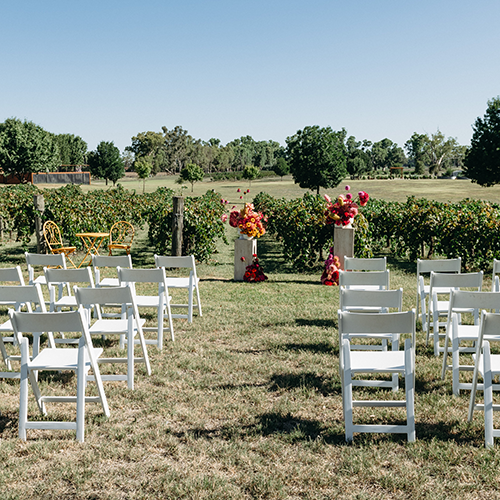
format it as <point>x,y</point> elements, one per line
<point>387,154</point>
<point>26,148</point>
<point>441,151</point>
<point>417,149</point>
<point>317,157</point>
<point>72,150</point>
<point>359,161</point>
<point>482,162</point>
<point>152,145</point>
<point>106,163</point>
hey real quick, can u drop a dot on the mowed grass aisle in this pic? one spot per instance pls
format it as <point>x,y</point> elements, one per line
<point>246,403</point>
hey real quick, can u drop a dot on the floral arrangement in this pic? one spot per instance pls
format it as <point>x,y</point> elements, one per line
<point>330,276</point>
<point>248,221</point>
<point>343,211</point>
<point>254,271</point>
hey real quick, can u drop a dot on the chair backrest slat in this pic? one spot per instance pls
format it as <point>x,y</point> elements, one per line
<point>365,264</point>
<point>11,274</point>
<point>439,266</point>
<point>459,280</point>
<point>371,298</point>
<point>463,299</point>
<point>358,278</point>
<point>377,324</point>
<point>175,262</point>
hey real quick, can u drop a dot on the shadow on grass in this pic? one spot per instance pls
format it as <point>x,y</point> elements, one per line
<point>285,426</point>
<point>305,380</point>
<point>321,323</point>
<point>314,347</point>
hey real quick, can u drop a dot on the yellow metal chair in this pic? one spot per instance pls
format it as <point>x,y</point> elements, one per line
<point>52,236</point>
<point>121,236</point>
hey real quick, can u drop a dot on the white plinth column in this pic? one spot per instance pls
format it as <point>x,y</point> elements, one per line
<point>343,243</point>
<point>246,249</point>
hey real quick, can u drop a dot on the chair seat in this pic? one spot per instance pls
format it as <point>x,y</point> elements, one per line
<point>61,359</point>
<point>373,362</point>
<point>118,245</point>
<point>148,300</point>
<point>109,326</point>
<point>65,250</point>
<point>109,282</point>
<point>467,332</point>
<point>181,282</point>
<point>66,302</point>
<point>6,327</point>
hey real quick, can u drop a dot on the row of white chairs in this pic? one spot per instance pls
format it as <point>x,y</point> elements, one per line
<point>369,358</point>
<point>85,300</point>
<point>190,282</point>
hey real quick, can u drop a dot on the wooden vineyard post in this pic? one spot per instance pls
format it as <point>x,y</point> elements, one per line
<point>177,225</point>
<point>39,203</point>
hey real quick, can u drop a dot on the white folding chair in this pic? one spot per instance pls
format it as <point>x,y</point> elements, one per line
<point>191,282</point>
<point>80,360</point>
<point>370,362</point>
<point>372,301</point>
<point>129,325</point>
<point>442,284</point>
<point>365,264</point>
<point>100,261</point>
<point>425,267</point>
<point>160,301</point>
<point>23,297</point>
<point>68,277</point>
<point>487,366</point>
<point>360,280</point>
<point>42,260</point>
<point>457,333</point>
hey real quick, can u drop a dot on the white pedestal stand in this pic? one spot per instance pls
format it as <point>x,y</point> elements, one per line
<point>246,249</point>
<point>343,243</point>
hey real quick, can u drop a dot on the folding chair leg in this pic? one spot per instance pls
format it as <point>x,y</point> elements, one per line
<point>455,366</point>
<point>5,356</point>
<point>199,302</point>
<point>410,391</point>
<point>347,393</point>
<point>80,392</point>
<point>23,393</point>
<point>170,322</point>
<point>130,354</point>
<point>488,397</point>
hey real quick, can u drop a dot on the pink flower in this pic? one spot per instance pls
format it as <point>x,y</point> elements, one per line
<point>327,198</point>
<point>348,196</point>
<point>347,187</point>
<point>243,259</point>
<point>223,217</point>
<point>363,198</point>
<point>241,197</point>
<point>238,190</point>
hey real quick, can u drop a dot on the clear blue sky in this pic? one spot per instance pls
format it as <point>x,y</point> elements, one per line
<point>106,70</point>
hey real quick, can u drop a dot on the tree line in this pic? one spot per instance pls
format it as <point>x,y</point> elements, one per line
<point>315,156</point>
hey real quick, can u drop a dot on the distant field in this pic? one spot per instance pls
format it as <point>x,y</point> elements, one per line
<point>397,189</point>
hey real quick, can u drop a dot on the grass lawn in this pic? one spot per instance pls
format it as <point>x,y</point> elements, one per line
<point>246,403</point>
<point>396,189</point>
